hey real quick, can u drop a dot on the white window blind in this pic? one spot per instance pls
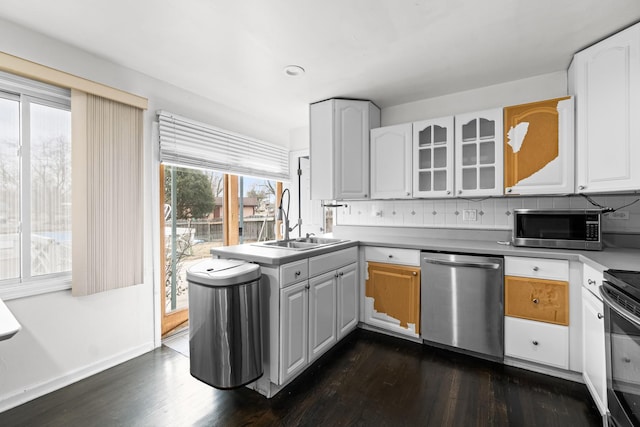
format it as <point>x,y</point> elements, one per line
<point>184,142</point>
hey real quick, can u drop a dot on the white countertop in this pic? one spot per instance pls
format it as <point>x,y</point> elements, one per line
<point>609,258</point>
<point>9,326</point>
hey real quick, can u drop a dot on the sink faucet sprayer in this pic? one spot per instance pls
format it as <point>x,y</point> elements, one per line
<point>284,216</point>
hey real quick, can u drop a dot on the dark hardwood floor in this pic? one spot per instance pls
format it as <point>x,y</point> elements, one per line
<point>367,380</point>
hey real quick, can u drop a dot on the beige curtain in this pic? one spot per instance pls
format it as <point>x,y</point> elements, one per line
<point>107,220</point>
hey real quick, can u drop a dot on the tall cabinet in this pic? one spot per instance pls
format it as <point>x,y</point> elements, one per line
<point>339,148</point>
<point>605,79</point>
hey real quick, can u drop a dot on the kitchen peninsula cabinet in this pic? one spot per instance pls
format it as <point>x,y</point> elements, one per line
<point>478,153</point>
<point>539,147</point>
<point>391,162</point>
<point>392,290</point>
<point>339,148</point>
<point>605,78</point>
<point>433,166</point>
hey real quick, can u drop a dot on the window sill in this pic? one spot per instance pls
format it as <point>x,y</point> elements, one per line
<point>35,287</point>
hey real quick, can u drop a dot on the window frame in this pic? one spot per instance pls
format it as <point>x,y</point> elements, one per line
<point>26,284</point>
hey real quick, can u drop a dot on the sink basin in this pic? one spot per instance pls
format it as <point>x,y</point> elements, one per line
<point>301,243</point>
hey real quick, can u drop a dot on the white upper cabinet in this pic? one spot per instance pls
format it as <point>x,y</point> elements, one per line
<point>478,153</point>
<point>606,81</point>
<point>539,147</point>
<point>339,148</point>
<point>391,162</point>
<point>433,158</point>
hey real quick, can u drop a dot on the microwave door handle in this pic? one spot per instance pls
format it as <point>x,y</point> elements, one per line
<point>487,265</point>
<point>618,308</point>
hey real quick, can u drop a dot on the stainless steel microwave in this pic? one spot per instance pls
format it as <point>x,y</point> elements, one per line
<point>561,228</point>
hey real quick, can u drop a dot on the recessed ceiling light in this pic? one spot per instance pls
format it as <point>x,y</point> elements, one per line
<point>293,70</point>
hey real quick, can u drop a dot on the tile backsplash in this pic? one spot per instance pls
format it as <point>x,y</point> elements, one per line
<point>492,213</point>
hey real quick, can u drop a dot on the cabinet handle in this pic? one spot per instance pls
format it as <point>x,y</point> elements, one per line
<point>365,195</point>
<point>408,194</point>
<point>307,287</point>
<point>600,316</point>
<point>535,300</point>
<point>341,274</point>
<point>509,190</point>
<point>581,187</point>
<point>390,256</point>
<point>534,342</point>
<point>448,192</point>
<point>591,281</point>
<point>459,191</point>
<point>414,273</point>
<point>536,268</point>
<point>626,359</point>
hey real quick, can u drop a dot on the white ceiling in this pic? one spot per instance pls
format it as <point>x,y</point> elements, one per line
<point>389,51</point>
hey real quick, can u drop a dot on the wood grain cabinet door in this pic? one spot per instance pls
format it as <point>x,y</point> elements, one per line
<point>539,148</point>
<point>392,296</point>
<point>537,299</point>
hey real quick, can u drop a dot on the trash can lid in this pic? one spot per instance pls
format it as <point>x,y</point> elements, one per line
<point>223,272</point>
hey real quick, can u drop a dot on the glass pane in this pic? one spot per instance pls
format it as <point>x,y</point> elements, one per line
<point>9,189</point>
<point>50,130</point>
<point>469,131</point>
<point>425,136</point>
<point>257,216</point>
<point>440,180</point>
<point>469,179</point>
<point>439,135</point>
<point>487,128</point>
<point>487,153</point>
<point>425,159</point>
<point>193,225</point>
<point>440,157</point>
<point>469,155</point>
<point>487,177</point>
<point>425,181</point>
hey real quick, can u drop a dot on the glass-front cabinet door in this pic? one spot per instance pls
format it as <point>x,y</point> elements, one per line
<point>478,153</point>
<point>433,158</point>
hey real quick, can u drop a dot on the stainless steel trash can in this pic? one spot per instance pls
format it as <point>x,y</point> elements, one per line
<point>225,334</point>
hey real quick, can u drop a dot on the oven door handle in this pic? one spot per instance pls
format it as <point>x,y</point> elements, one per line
<point>618,308</point>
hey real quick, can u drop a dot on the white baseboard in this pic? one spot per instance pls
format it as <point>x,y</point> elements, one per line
<point>34,391</point>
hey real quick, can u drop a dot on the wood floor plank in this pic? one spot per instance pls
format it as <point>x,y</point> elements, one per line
<point>367,380</point>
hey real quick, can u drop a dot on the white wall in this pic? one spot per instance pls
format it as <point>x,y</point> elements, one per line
<point>64,338</point>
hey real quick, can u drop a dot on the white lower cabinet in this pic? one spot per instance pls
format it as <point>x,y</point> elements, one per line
<point>315,313</point>
<point>322,314</point>
<point>594,369</point>
<point>538,342</point>
<point>294,330</point>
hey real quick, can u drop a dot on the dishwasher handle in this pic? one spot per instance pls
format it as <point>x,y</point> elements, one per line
<point>485,265</point>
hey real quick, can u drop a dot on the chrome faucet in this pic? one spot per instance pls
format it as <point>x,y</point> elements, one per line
<point>284,216</point>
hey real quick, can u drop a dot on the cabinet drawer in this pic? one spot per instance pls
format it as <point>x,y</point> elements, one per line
<point>393,255</point>
<point>537,299</point>
<point>591,279</point>
<point>332,261</point>
<point>293,272</point>
<point>553,269</point>
<point>538,342</point>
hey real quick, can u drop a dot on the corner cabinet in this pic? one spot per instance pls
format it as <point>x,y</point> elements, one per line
<point>605,79</point>
<point>391,162</point>
<point>539,147</point>
<point>433,158</point>
<point>478,154</point>
<point>339,148</point>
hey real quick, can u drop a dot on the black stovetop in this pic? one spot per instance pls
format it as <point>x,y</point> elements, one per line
<point>625,280</point>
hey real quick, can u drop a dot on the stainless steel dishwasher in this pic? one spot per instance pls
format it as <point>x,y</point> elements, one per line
<point>462,302</point>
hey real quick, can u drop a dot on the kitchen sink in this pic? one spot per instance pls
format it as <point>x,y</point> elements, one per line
<point>301,243</point>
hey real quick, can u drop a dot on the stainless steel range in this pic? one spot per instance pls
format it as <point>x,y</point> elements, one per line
<point>621,295</point>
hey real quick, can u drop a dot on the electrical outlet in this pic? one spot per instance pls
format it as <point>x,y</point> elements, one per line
<point>620,215</point>
<point>469,215</point>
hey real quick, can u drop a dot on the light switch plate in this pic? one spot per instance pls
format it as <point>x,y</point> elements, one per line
<point>469,215</point>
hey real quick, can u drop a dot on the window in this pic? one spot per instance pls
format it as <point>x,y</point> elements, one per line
<point>35,184</point>
<point>205,209</point>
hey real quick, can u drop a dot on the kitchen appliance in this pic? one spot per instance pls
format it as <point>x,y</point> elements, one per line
<point>462,303</point>
<point>620,292</point>
<point>558,228</point>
